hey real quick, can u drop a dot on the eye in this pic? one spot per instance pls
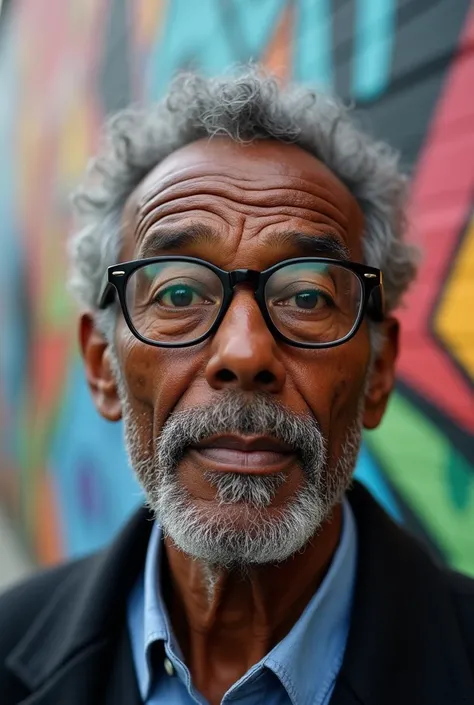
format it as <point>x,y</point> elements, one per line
<point>308,299</point>
<point>179,296</point>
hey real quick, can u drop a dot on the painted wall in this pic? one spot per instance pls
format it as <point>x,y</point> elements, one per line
<point>63,67</point>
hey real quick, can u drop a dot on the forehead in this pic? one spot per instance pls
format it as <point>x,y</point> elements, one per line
<point>253,178</point>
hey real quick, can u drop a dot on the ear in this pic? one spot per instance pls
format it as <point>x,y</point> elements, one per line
<point>96,354</point>
<point>382,379</point>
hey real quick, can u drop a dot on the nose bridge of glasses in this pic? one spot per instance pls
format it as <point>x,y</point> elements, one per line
<point>244,276</point>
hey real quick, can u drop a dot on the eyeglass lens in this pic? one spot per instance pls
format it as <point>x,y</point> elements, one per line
<point>178,302</point>
<point>314,302</point>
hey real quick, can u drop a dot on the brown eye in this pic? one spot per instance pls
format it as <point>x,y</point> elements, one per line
<point>311,299</point>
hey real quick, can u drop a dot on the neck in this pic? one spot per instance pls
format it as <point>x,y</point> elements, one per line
<point>228,620</point>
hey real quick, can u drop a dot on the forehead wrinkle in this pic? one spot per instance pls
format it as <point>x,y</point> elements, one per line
<point>194,185</point>
<point>288,196</point>
<point>238,225</point>
<point>277,201</point>
<point>182,176</point>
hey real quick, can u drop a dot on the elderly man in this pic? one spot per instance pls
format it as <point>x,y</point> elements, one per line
<point>228,263</point>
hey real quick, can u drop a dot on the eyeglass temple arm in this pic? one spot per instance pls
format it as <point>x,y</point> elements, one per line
<point>376,304</point>
<point>107,295</point>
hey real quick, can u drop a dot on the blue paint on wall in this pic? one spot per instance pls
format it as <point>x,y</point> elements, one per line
<point>373,47</point>
<point>209,35</point>
<point>13,342</point>
<point>95,487</point>
<point>368,472</point>
<point>312,46</point>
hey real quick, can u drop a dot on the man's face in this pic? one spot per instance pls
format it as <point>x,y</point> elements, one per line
<point>190,412</point>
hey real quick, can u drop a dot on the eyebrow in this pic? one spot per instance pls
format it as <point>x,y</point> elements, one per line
<point>176,239</point>
<point>321,245</point>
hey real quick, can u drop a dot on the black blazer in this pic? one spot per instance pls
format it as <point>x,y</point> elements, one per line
<point>64,637</point>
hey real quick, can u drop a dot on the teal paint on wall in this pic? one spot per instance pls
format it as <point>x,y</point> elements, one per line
<point>373,47</point>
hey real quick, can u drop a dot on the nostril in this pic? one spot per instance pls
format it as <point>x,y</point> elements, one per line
<point>225,375</point>
<point>265,377</point>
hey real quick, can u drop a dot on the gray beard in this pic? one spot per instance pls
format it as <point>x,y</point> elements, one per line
<point>260,535</point>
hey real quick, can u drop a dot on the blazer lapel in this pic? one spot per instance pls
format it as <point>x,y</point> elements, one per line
<point>344,695</point>
<point>404,645</point>
<point>86,679</point>
<point>122,686</point>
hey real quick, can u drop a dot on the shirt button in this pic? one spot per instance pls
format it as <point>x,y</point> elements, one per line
<point>169,668</point>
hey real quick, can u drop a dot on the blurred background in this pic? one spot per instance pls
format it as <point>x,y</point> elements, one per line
<point>65,487</point>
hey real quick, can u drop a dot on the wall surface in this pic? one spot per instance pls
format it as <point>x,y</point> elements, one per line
<point>409,64</point>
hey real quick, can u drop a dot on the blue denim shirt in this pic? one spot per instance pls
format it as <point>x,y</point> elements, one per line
<point>300,670</point>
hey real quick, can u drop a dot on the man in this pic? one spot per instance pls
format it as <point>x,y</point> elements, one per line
<point>228,263</point>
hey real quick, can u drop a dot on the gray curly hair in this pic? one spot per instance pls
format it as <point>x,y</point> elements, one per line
<point>247,107</point>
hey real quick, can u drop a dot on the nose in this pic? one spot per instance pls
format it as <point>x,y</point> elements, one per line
<point>244,352</point>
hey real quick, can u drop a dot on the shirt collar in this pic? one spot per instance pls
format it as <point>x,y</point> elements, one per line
<point>147,615</point>
<point>314,645</point>
<point>316,642</point>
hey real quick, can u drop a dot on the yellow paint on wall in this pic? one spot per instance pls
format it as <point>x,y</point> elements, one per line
<point>148,19</point>
<point>75,140</point>
<point>455,316</point>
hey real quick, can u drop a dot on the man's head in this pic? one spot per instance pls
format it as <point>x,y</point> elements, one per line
<point>244,440</point>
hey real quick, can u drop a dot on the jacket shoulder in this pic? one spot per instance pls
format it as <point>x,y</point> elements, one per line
<point>20,604</point>
<point>54,617</point>
<point>19,607</point>
<point>462,592</point>
<point>461,585</point>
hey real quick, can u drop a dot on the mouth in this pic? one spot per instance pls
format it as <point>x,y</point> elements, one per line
<point>254,455</point>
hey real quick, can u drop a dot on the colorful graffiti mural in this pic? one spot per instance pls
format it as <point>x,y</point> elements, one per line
<point>408,64</point>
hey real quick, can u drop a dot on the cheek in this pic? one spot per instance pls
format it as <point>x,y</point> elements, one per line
<point>351,373</point>
<point>158,378</point>
<point>331,382</point>
<point>347,397</point>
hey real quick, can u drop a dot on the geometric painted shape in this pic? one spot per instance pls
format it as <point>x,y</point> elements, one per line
<point>114,70</point>
<point>371,475</point>
<point>373,46</point>
<point>146,21</point>
<point>202,35</point>
<point>440,204</point>
<point>418,461</point>
<point>459,480</point>
<point>14,304</point>
<point>454,321</point>
<point>48,531</point>
<point>313,51</point>
<point>91,497</point>
<point>277,57</point>
<point>96,488</point>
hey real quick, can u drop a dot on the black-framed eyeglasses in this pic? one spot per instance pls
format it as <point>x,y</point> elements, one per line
<point>308,302</point>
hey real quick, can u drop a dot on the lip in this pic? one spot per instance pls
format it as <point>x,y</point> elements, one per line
<point>245,443</point>
<point>253,455</point>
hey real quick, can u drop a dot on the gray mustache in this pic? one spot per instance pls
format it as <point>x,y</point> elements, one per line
<point>234,412</point>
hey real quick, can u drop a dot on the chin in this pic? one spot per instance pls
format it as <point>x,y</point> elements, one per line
<point>239,516</point>
<point>238,534</point>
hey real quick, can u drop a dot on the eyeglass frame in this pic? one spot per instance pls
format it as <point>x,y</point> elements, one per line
<point>371,280</point>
